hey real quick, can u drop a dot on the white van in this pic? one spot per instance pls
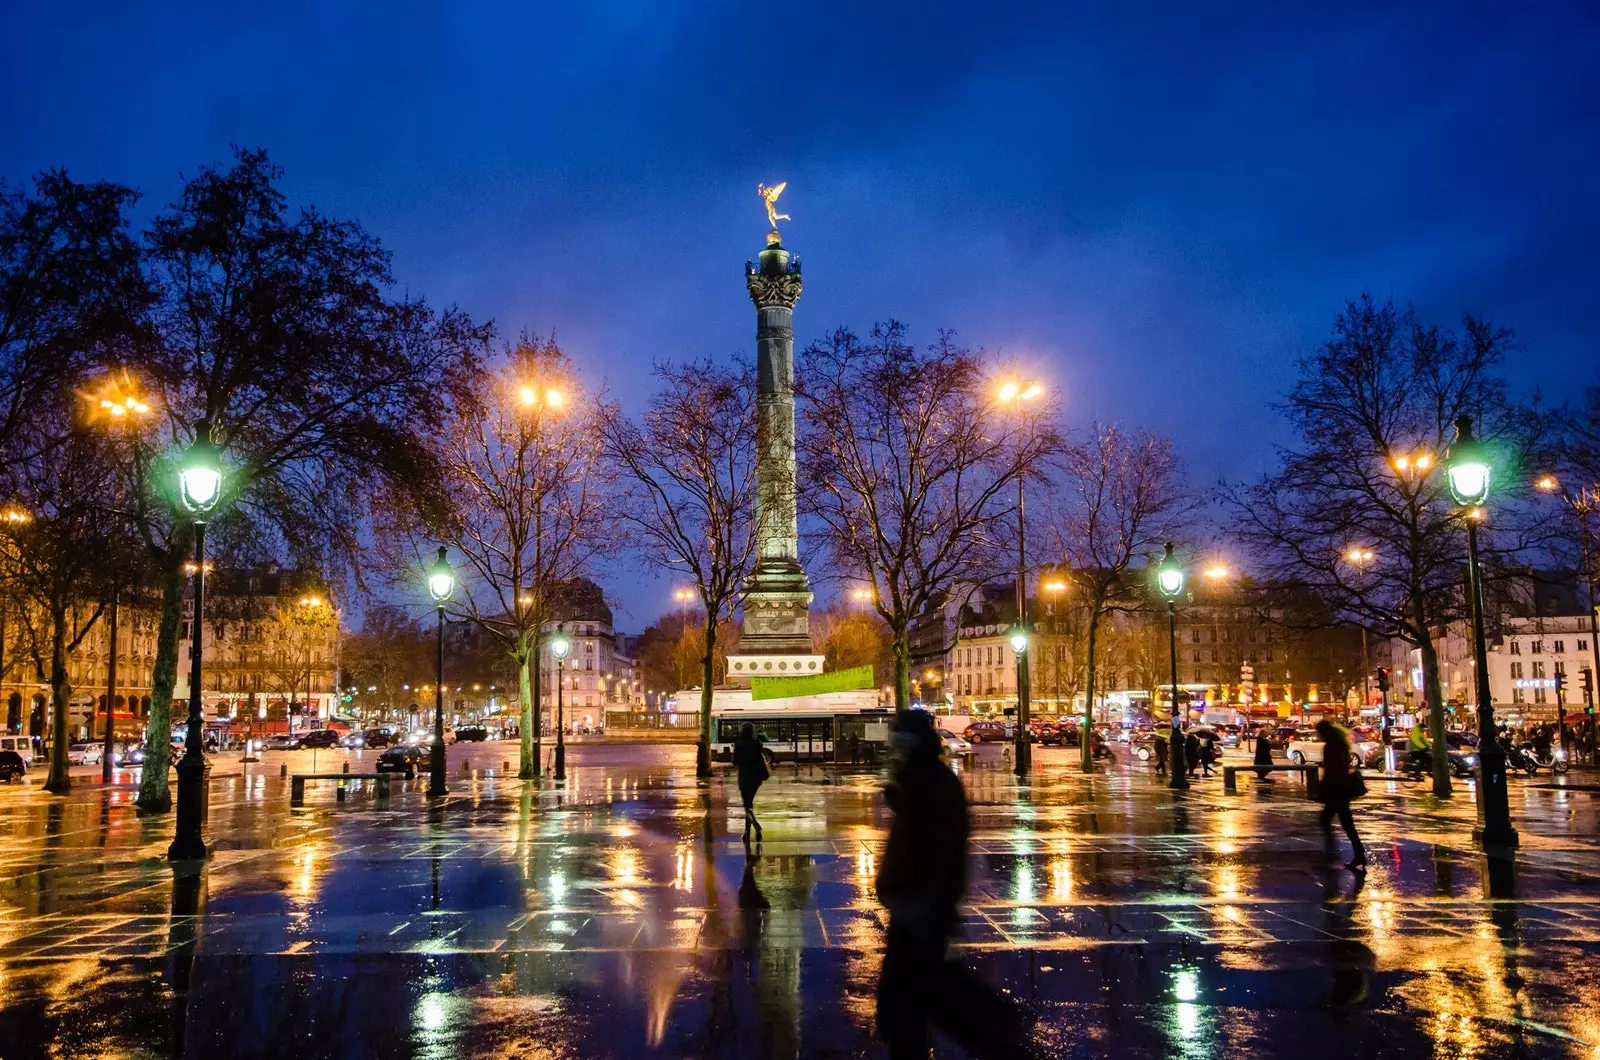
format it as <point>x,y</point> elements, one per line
<point>23,745</point>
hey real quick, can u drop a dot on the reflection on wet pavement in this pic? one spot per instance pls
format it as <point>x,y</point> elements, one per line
<point>598,920</point>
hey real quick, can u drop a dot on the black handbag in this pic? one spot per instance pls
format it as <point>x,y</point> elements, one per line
<point>1358,784</point>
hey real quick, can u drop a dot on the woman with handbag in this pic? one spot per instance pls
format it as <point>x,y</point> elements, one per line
<point>1340,784</point>
<point>750,763</point>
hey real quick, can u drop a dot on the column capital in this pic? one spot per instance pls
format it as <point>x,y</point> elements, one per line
<point>773,292</point>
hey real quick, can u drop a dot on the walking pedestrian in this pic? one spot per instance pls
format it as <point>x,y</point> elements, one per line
<point>1208,752</point>
<point>1340,784</point>
<point>1191,754</point>
<point>1263,755</point>
<point>1161,753</point>
<point>750,764</point>
<point>921,883</point>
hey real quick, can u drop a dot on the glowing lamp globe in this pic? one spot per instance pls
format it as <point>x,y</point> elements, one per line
<point>559,646</point>
<point>1169,575</point>
<point>1467,467</point>
<point>200,474</point>
<point>1019,640</point>
<point>441,578</point>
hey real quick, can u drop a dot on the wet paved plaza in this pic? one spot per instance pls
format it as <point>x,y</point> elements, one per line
<point>604,919</point>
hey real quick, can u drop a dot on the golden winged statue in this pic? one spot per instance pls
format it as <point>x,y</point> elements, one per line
<point>770,197</point>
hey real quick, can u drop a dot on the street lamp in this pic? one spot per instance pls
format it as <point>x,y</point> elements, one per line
<point>1360,558</point>
<point>1169,579</point>
<point>199,487</point>
<point>1583,504</point>
<point>559,646</point>
<point>1015,394</point>
<point>1467,470</point>
<point>117,402</point>
<point>441,584</point>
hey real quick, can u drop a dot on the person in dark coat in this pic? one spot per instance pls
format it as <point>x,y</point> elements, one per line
<point>1263,754</point>
<point>750,763</point>
<point>1337,790</point>
<point>1191,754</point>
<point>1161,752</point>
<point>921,883</point>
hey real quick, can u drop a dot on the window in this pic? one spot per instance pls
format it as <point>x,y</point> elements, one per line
<point>1269,655</point>
<point>1538,694</point>
<point>1194,635</point>
<point>1538,669</point>
<point>1583,645</point>
<point>1536,647</point>
<point>1197,677</point>
<point>1516,671</point>
<point>1560,647</point>
<point>1561,667</point>
<point>1516,646</point>
<point>1213,634</point>
<point>1516,695</point>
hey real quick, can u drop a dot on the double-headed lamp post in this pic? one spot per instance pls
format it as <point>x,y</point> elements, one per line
<point>1169,579</point>
<point>1361,558</point>
<point>199,488</point>
<point>1016,395</point>
<point>559,646</point>
<point>1467,469</point>
<point>441,585</point>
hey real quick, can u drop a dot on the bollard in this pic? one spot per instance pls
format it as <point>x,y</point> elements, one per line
<point>346,769</point>
<point>283,770</point>
<point>339,797</point>
<point>505,766</point>
<point>466,769</point>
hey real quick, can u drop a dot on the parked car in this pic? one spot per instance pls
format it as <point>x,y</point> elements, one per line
<point>378,738</point>
<point>12,767</point>
<point>403,758</point>
<point>953,744</point>
<point>22,745</point>
<point>1280,737</point>
<point>85,754</point>
<point>282,743</point>
<point>985,731</point>
<point>473,733</point>
<point>316,738</point>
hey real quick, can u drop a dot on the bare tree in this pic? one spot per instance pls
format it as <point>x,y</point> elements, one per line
<point>1121,496</point>
<point>1374,412</point>
<point>690,471</point>
<point>278,331</point>
<point>908,466</point>
<point>524,469</point>
<point>389,654</point>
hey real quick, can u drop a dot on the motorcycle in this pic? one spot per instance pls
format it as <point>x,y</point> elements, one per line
<point>1521,758</point>
<point>1555,761</point>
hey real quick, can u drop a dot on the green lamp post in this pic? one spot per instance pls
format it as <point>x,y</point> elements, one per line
<point>199,489</point>
<point>1169,579</point>
<point>441,586</point>
<point>1467,470</point>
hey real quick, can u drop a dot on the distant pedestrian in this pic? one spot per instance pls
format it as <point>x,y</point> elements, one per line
<point>1263,755</point>
<point>1191,754</point>
<point>1208,752</point>
<point>750,763</point>
<point>1340,784</point>
<point>1161,753</point>
<point>921,883</point>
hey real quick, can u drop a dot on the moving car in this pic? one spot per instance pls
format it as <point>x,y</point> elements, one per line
<point>1306,747</point>
<point>1044,732</point>
<point>403,758</point>
<point>474,733</point>
<point>985,731</point>
<point>1463,760</point>
<point>282,743</point>
<point>85,754</point>
<point>12,767</point>
<point>316,738</point>
<point>954,744</point>
<point>1144,745</point>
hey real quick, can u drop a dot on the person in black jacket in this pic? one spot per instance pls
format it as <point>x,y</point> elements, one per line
<point>921,882</point>
<point>750,763</point>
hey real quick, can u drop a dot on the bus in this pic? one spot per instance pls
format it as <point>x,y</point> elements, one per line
<point>804,731</point>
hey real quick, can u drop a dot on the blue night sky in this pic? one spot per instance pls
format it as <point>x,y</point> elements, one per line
<point>1157,210</point>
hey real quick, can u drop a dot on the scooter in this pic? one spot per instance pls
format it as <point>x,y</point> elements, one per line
<point>1517,758</point>
<point>1555,761</point>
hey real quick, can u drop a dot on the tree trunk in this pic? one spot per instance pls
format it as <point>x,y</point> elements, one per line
<point>902,668</point>
<point>527,766</point>
<point>154,793</point>
<point>1085,752</point>
<point>702,755</point>
<point>60,780</point>
<point>1432,689</point>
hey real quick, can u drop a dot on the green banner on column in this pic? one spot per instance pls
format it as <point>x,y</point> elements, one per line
<point>811,684</point>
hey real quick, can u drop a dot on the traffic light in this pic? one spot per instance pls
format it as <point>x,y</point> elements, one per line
<point>1561,686</point>
<point>1588,690</point>
<point>1383,679</point>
